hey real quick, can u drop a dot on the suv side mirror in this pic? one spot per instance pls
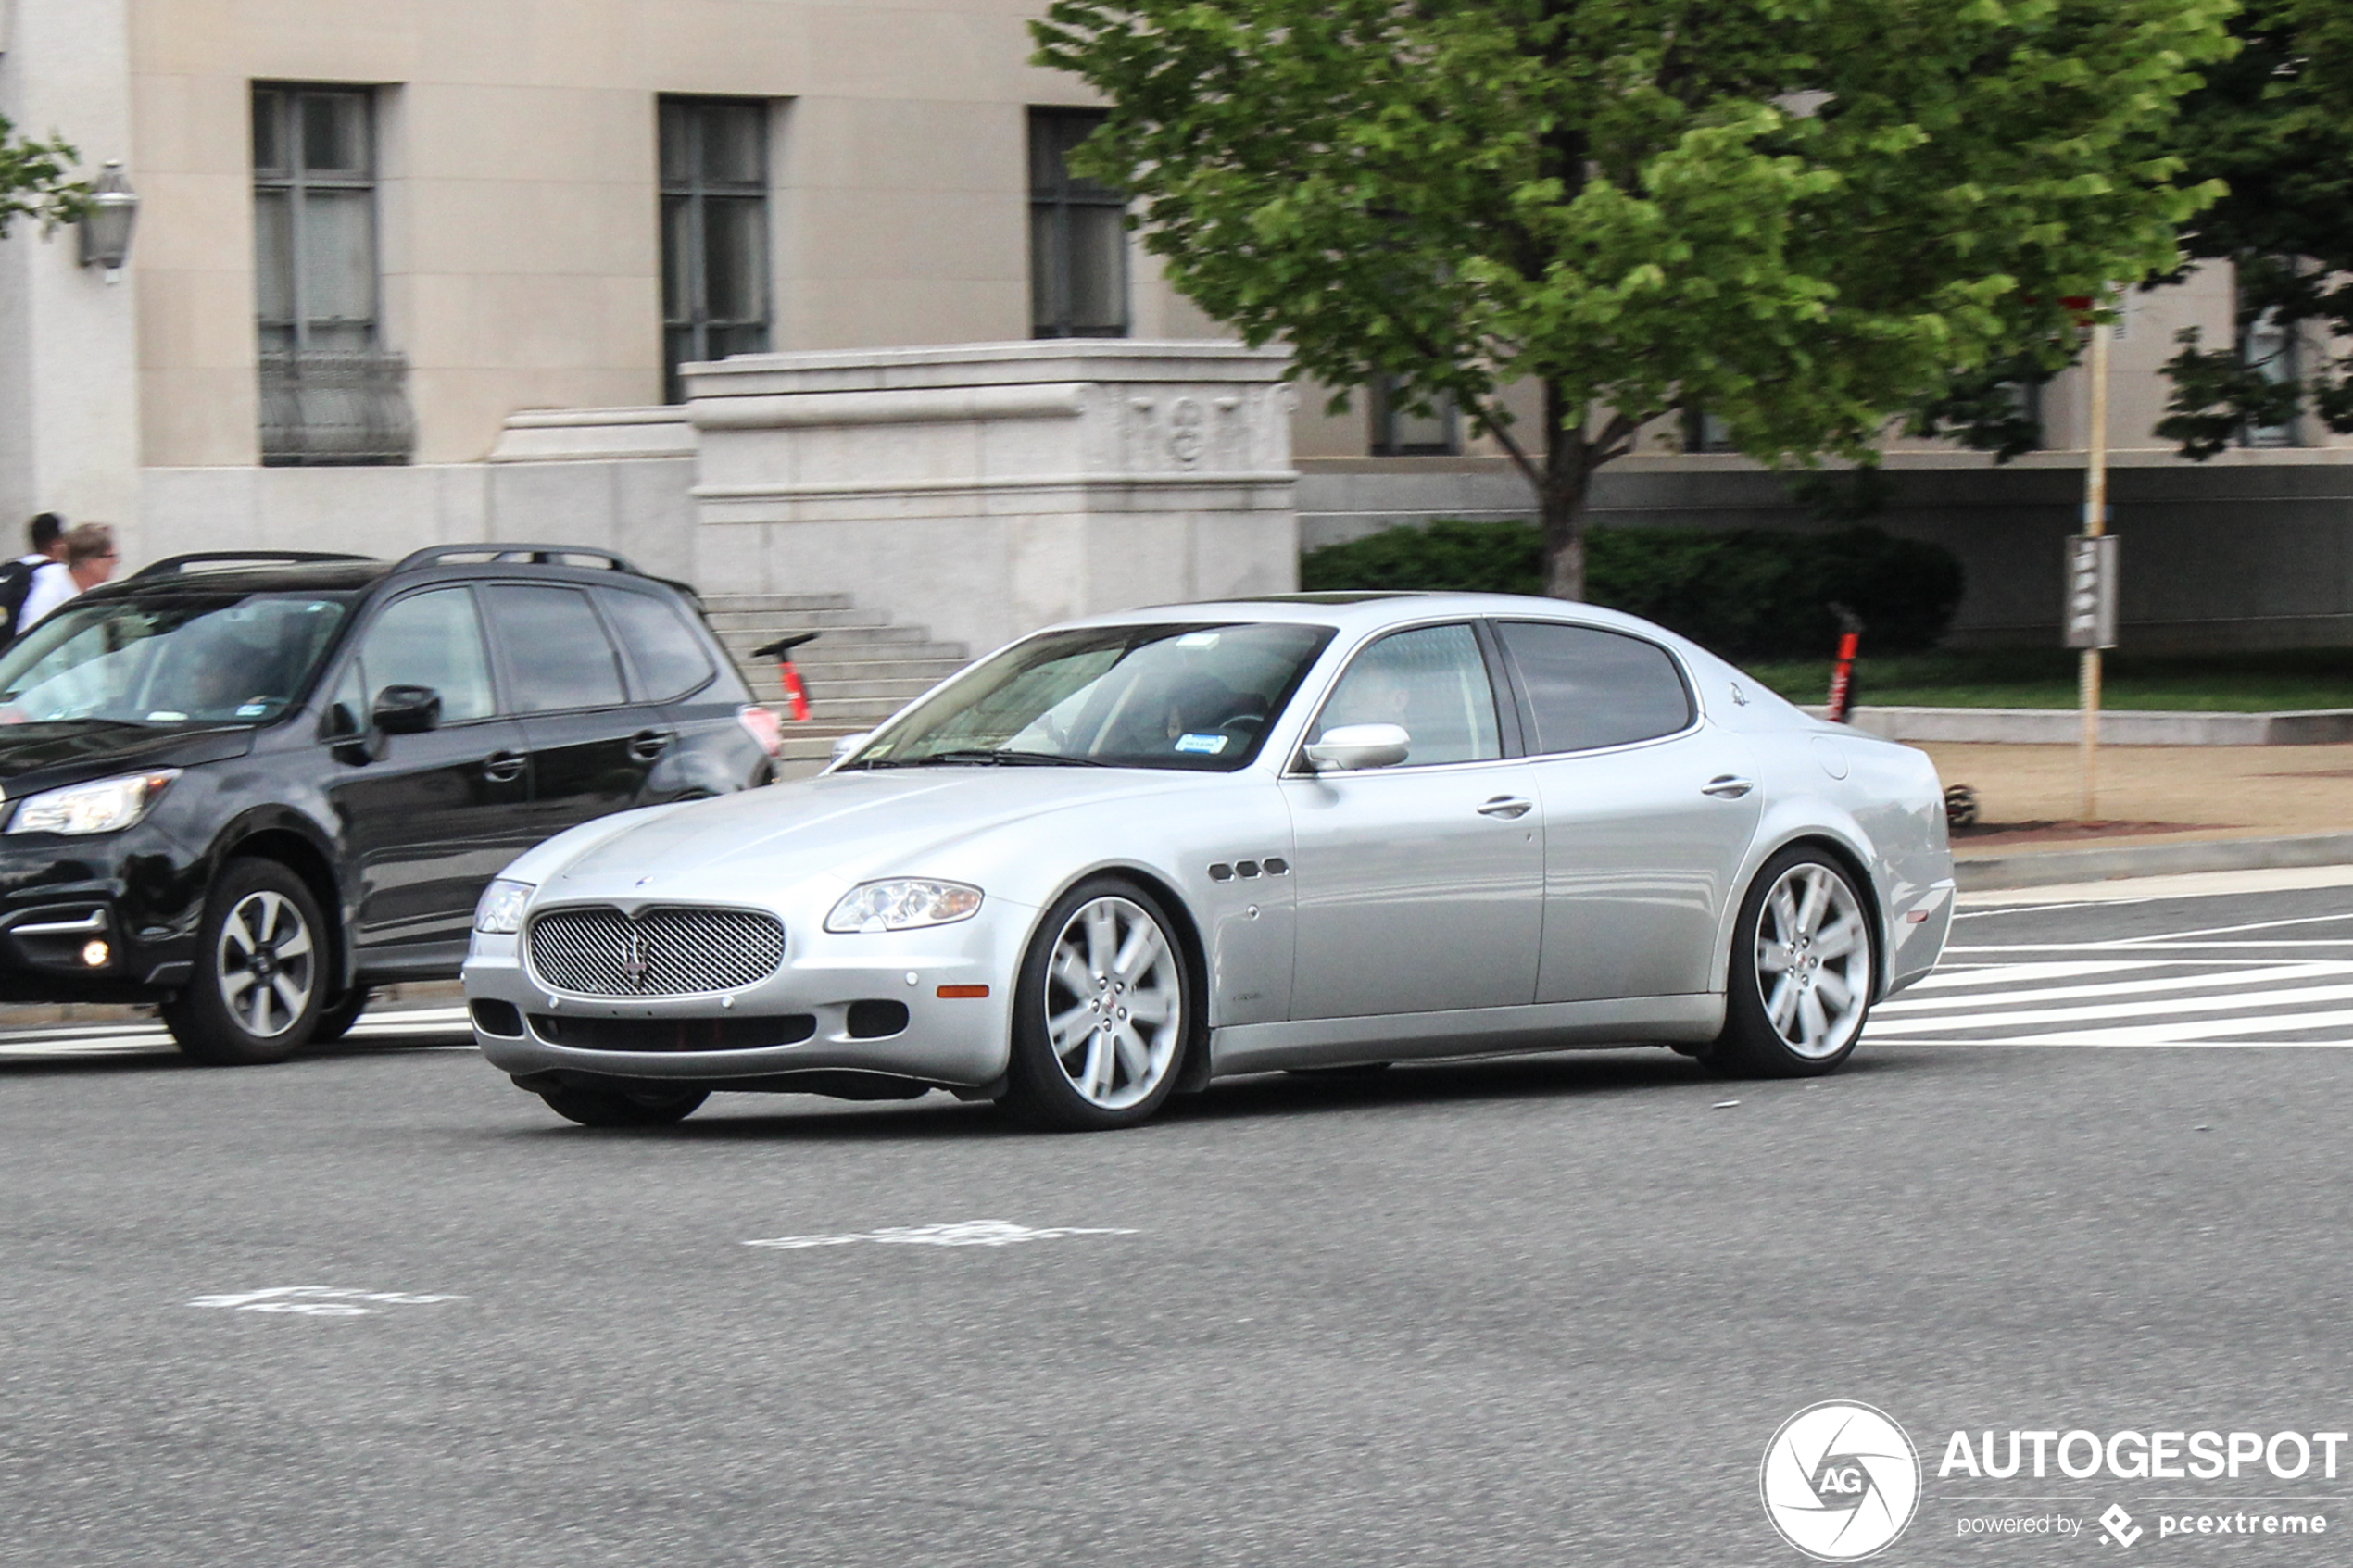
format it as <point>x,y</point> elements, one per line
<point>408,710</point>
<point>1350,747</point>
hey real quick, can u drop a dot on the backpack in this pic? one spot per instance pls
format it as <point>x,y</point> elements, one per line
<point>16,586</point>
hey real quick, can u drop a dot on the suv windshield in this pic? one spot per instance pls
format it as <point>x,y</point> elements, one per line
<point>1195,697</point>
<point>183,659</point>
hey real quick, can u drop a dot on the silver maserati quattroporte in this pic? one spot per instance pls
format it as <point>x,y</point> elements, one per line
<point>1131,854</point>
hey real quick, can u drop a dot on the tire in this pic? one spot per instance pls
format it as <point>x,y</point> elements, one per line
<point>334,1022</point>
<point>1804,958</point>
<point>1103,1013</point>
<point>646,1107</point>
<point>259,982</point>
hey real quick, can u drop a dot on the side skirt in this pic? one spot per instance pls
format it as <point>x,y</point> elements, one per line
<point>1545,1026</point>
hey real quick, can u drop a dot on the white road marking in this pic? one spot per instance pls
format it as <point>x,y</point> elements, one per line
<point>2182,884</point>
<point>963,1233</point>
<point>317,1300</point>
<point>2240,977</point>
<point>2000,1020</point>
<point>101,1039</point>
<point>1978,973</point>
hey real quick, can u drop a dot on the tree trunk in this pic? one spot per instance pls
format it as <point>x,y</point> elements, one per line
<point>1561,497</point>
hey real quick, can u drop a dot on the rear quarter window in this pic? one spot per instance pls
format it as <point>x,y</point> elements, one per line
<point>1588,687</point>
<point>660,645</point>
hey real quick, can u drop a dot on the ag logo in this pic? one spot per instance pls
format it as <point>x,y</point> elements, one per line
<point>1840,1481</point>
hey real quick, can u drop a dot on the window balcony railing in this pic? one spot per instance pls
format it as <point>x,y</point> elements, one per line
<point>328,405</point>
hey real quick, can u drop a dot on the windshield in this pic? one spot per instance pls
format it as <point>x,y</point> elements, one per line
<point>193,659</point>
<point>1193,697</point>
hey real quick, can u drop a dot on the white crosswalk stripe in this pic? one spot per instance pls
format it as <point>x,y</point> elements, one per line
<point>441,1026</point>
<point>2176,989</point>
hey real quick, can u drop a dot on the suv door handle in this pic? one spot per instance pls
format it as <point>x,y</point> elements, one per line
<point>1726,787</point>
<point>646,744</point>
<point>1509,807</point>
<point>503,767</point>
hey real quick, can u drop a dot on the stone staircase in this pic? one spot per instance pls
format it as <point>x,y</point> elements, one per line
<point>860,670</point>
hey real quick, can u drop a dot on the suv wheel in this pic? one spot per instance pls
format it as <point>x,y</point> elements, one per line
<point>259,977</point>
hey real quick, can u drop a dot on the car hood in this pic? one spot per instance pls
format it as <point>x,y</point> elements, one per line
<point>848,825</point>
<point>48,756</point>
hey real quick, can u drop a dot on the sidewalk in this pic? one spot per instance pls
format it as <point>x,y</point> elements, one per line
<point>2275,805</point>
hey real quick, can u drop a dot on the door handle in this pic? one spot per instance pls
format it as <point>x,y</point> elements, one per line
<point>1726,787</point>
<point>1509,807</point>
<point>503,767</point>
<point>646,744</point>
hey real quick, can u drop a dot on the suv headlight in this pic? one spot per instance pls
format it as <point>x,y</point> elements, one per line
<point>500,911</point>
<point>102,806</point>
<point>902,904</point>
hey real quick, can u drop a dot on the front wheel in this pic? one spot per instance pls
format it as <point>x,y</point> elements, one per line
<point>1803,964</point>
<point>259,975</point>
<point>1101,1016</point>
<point>645,1107</point>
<point>334,1022</point>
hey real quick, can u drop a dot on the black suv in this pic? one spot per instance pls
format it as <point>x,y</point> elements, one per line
<point>251,786</point>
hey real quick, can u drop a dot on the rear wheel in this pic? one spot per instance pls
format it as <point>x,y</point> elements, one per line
<point>645,1107</point>
<point>1100,1018</point>
<point>1799,988</point>
<point>259,984</point>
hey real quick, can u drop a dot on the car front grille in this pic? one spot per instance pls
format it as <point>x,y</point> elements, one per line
<point>729,1034</point>
<point>662,952</point>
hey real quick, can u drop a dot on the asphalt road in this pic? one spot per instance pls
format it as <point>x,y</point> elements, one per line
<point>1533,1311</point>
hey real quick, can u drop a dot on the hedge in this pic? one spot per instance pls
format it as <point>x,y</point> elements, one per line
<point>1746,594</point>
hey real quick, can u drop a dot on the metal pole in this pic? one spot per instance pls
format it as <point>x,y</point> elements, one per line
<point>2095,523</point>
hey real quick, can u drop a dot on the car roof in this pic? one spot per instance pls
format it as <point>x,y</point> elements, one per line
<point>1359,613</point>
<point>232,573</point>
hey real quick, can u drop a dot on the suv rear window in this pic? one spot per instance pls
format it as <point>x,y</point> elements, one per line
<point>668,656</point>
<point>557,655</point>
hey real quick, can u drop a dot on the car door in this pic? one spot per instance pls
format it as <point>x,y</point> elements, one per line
<point>593,750</point>
<point>1648,813</point>
<point>1418,886</point>
<point>430,818</point>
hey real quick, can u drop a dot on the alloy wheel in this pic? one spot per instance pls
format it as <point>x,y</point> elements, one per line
<point>266,963</point>
<point>1812,960</point>
<point>1114,1002</point>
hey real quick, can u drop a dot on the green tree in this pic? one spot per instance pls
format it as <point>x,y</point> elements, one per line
<point>2276,124</point>
<point>35,180</point>
<point>1802,216</point>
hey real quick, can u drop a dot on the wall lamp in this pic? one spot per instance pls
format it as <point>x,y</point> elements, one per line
<point>105,229</point>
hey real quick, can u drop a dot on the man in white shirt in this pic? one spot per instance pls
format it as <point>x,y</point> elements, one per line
<point>89,559</point>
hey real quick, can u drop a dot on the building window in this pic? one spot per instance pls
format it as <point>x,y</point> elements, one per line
<point>2269,348</point>
<point>1078,235</point>
<point>330,391</point>
<point>1704,431</point>
<point>1399,433</point>
<point>715,232</point>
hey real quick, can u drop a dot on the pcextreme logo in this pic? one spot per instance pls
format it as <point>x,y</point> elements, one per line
<point>1840,1481</point>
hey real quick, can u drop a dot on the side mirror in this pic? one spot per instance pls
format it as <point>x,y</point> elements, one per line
<point>1352,747</point>
<point>408,710</point>
<point>845,745</point>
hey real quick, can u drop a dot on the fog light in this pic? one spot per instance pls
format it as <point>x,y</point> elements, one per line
<point>95,954</point>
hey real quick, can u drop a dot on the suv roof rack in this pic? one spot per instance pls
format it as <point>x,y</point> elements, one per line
<point>537,554</point>
<point>172,566</point>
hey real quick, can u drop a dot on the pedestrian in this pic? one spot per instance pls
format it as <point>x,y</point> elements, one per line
<point>21,580</point>
<point>89,560</point>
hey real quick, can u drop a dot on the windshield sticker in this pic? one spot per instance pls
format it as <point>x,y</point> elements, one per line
<point>253,709</point>
<point>166,716</point>
<point>1198,640</point>
<point>1209,745</point>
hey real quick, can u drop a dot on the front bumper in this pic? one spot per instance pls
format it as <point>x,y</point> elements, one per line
<point>868,1003</point>
<point>136,893</point>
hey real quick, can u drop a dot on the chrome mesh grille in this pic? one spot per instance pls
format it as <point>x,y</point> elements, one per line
<point>601,952</point>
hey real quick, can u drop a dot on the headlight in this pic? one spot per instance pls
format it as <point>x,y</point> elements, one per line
<point>102,806</point>
<point>500,911</point>
<point>903,904</point>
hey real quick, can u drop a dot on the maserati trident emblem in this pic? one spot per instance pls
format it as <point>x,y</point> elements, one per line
<point>634,967</point>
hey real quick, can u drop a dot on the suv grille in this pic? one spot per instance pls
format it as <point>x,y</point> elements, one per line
<point>601,952</point>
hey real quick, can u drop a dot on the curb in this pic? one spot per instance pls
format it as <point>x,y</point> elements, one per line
<point>2064,726</point>
<point>2051,866</point>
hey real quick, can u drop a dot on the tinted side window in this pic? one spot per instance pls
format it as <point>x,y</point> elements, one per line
<point>557,650</point>
<point>669,657</point>
<point>1592,688</point>
<point>1433,680</point>
<point>432,639</point>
